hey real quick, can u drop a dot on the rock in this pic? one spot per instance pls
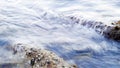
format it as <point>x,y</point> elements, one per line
<point>39,58</point>
<point>114,32</point>
<point>109,31</point>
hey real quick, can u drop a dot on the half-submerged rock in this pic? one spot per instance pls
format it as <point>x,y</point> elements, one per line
<point>37,58</point>
<point>109,31</point>
<point>113,32</point>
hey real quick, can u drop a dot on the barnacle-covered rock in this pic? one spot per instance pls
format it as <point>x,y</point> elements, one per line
<point>38,58</point>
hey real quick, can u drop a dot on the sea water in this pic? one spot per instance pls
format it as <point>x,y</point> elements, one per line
<point>45,24</point>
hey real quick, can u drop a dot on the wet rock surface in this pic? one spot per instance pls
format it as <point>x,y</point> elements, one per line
<point>36,58</point>
<point>109,31</point>
<point>114,32</point>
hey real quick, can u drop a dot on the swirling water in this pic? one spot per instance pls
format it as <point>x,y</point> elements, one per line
<point>44,24</point>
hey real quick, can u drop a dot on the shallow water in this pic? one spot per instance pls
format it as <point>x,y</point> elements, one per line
<point>44,24</point>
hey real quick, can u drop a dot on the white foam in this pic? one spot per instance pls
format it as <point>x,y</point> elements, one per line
<point>42,23</point>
